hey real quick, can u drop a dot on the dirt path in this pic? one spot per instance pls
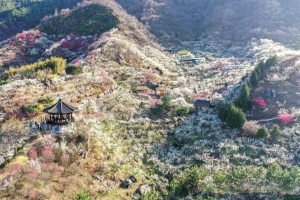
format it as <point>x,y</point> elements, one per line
<point>266,120</point>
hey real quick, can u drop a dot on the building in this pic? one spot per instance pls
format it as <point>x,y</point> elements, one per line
<point>143,89</point>
<point>60,113</point>
<point>201,104</point>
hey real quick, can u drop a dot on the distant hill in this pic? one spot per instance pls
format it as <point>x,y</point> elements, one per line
<point>18,15</point>
<point>89,20</point>
<point>232,19</point>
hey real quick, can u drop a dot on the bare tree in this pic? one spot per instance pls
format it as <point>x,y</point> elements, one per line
<point>12,130</point>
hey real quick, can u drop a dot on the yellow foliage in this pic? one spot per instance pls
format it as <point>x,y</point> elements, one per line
<point>57,65</point>
<point>23,160</point>
<point>96,91</point>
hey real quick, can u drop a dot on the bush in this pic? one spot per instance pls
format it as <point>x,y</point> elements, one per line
<point>33,108</point>
<point>262,132</point>
<point>235,117</point>
<point>74,69</point>
<point>83,195</point>
<point>183,111</point>
<point>223,112</point>
<point>166,102</point>
<point>45,100</point>
<point>275,133</point>
<point>250,128</point>
<point>152,195</point>
<point>244,101</point>
<point>232,116</point>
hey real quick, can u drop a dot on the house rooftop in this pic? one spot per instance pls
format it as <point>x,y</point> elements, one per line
<point>203,103</point>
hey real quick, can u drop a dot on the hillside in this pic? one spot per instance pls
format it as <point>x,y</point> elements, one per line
<point>234,20</point>
<point>16,15</point>
<point>137,133</point>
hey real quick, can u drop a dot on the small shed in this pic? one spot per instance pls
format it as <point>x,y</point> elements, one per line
<point>200,104</point>
<point>162,90</point>
<point>142,89</point>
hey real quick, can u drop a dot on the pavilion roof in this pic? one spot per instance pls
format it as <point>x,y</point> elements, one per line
<point>141,88</point>
<point>60,108</point>
<point>161,88</point>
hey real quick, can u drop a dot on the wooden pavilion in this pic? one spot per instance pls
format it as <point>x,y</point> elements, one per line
<point>60,113</point>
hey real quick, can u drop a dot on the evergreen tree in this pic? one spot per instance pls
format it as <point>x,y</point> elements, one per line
<point>272,61</point>
<point>166,102</point>
<point>223,112</point>
<point>262,132</point>
<point>236,118</point>
<point>257,70</point>
<point>275,133</point>
<point>254,79</point>
<point>262,67</point>
<point>244,101</point>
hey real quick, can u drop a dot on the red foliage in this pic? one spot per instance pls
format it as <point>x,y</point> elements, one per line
<point>66,44</point>
<point>48,154</point>
<point>33,154</point>
<point>259,102</point>
<point>286,118</point>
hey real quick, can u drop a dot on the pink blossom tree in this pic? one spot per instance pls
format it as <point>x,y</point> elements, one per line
<point>259,102</point>
<point>286,118</point>
<point>33,153</point>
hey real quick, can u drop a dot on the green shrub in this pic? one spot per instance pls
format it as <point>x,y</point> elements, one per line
<point>45,100</point>
<point>4,77</point>
<point>74,69</point>
<point>223,112</point>
<point>152,195</point>
<point>244,100</point>
<point>233,116</point>
<point>33,108</point>
<point>186,181</point>
<point>236,118</point>
<point>275,133</point>
<point>3,82</point>
<point>262,132</point>
<point>166,102</point>
<point>182,111</point>
<point>83,195</point>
